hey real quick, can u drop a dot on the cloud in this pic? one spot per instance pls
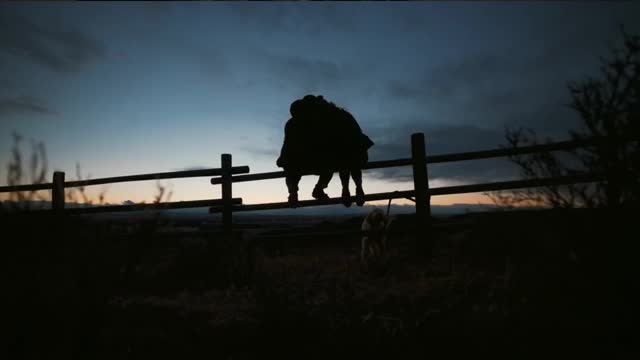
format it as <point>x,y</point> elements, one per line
<point>58,48</point>
<point>288,16</point>
<point>521,83</point>
<point>462,172</point>
<point>441,139</point>
<point>24,104</point>
<point>472,98</point>
<point>303,74</point>
<point>156,8</point>
<point>468,103</point>
<point>268,152</point>
<point>483,89</point>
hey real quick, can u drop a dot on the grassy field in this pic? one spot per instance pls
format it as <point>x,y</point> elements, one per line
<point>503,284</point>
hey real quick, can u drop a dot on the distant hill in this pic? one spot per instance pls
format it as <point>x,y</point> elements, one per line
<point>340,210</point>
<point>327,210</point>
<point>336,210</point>
<point>36,205</point>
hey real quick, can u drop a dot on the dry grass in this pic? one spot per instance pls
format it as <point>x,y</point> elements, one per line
<point>143,293</point>
<point>37,173</point>
<point>17,174</point>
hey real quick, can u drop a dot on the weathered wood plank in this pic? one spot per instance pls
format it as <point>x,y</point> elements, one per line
<point>160,206</point>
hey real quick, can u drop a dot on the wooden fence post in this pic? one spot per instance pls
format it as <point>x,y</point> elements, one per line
<point>57,191</point>
<point>227,221</point>
<point>421,187</point>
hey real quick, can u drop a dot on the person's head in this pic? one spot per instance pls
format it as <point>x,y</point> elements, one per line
<point>297,108</point>
<point>308,105</point>
<point>319,103</point>
<point>315,99</point>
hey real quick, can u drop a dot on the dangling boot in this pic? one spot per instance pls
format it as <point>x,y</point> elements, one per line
<point>293,200</point>
<point>318,193</point>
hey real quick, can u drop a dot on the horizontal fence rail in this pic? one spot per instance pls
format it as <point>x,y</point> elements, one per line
<point>308,203</point>
<point>91,209</point>
<point>281,174</point>
<point>515,184</point>
<point>58,185</point>
<point>521,150</point>
<point>445,190</point>
<point>28,187</point>
<point>116,179</point>
<point>157,176</point>
<point>152,206</point>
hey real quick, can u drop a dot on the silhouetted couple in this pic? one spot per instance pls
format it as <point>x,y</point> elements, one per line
<point>322,138</point>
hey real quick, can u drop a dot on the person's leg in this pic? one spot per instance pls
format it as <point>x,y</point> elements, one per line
<point>346,195</point>
<point>356,175</point>
<point>292,179</point>
<point>323,182</point>
<point>324,179</point>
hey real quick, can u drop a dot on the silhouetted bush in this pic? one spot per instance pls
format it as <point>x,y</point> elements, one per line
<point>607,106</point>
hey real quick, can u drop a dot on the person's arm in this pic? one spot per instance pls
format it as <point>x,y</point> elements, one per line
<point>351,123</point>
<point>284,151</point>
<point>355,132</point>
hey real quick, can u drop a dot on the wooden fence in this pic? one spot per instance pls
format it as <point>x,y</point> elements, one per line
<point>421,194</point>
<point>58,186</point>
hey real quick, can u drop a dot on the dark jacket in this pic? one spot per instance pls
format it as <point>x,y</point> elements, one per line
<point>323,137</point>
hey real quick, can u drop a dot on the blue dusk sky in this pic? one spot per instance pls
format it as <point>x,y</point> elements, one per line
<point>128,88</point>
